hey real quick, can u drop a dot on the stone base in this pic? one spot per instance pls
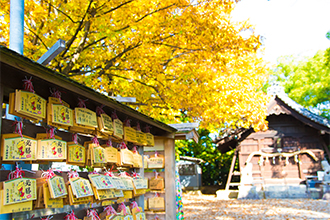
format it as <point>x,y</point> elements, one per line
<point>250,192</point>
<point>278,192</point>
<point>227,194</point>
<point>285,192</point>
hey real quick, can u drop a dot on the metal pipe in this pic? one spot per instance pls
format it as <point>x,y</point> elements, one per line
<point>57,48</point>
<point>16,29</point>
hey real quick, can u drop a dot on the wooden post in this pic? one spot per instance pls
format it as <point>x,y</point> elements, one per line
<point>325,148</point>
<point>299,167</point>
<point>260,166</point>
<point>231,169</point>
<point>170,195</point>
<point>1,100</point>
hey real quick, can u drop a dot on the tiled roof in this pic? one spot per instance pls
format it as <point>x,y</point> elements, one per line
<point>303,111</point>
<point>277,90</point>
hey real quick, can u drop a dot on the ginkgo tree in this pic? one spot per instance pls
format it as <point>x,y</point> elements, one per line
<point>177,57</point>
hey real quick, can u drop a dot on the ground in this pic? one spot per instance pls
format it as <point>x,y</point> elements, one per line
<point>209,207</point>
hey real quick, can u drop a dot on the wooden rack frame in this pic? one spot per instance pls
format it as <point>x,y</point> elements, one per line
<point>15,67</point>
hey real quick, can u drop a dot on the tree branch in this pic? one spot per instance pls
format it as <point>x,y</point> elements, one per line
<point>140,82</point>
<point>169,60</point>
<point>110,62</point>
<point>101,6</point>
<point>176,47</point>
<point>77,72</point>
<point>65,14</point>
<point>94,42</point>
<point>115,8</point>
<point>160,9</point>
<point>70,42</point>
<point>144,16</point>
<point>37,37</point>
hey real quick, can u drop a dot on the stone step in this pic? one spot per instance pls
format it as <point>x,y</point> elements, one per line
<point>286,181</point>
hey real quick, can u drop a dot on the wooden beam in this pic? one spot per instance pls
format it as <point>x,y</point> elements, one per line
<point>170,196</point>
<point>231,169</point>
<point>28,66</point>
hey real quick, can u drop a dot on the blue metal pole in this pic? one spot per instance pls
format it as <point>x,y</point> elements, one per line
<point>16,37</point>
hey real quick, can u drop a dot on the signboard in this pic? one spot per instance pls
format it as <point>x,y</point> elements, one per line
<point>62,115</point>
<point>85,117</point>
<point>19,190</point>
<point>118,131</point>
<point>30,104</point>
<point>51,149</point>
<point>17,148</point>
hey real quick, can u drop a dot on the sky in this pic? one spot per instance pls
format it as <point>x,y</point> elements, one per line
<point>290,27</point>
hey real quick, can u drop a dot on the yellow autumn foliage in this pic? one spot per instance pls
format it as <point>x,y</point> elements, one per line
<point>174,56</point>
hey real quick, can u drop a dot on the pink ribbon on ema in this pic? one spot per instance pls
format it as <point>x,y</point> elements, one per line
<point>110,172</point>
<point>114,115</point>
<point>95,141</point>
<point>75,138</point>
<point>18,127</point>
<point>56,93</point>
<point>122,207</point>
<point>147,128</point>
<point>17,173</point>
<point>127,122</point>
<point>123,145</point>
<point>51,132</point>
<point>135,175</point>
<point>99,110</point>
<point>110,210</point>
<point>81,103</point>
<point>93,214</point>
<point>73,174</point>
<point>93,172</point>
<point>28,86</point>
<point>47,218</point>
<point>156,174</point>
<point>49,173</point>
<point>135,205</point>
<point>138,127</point>
<point>109,142</point>
<point>71,216</point>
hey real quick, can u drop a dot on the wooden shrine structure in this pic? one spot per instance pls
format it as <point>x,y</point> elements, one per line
<point>290,150</point>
